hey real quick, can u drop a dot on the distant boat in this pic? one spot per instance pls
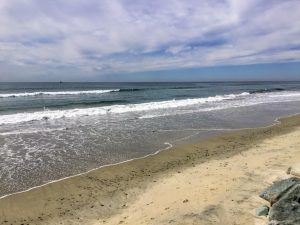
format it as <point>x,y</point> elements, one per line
<point>60,82</point>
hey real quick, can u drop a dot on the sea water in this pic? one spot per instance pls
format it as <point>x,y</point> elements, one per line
<point>49,131</point>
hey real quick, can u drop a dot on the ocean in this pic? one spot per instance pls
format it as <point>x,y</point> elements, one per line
<point>50,131</point>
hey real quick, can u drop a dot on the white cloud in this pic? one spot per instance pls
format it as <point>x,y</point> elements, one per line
<point>131,36</point>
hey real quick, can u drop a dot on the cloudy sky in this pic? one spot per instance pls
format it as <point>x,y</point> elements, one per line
<point>148,40</point>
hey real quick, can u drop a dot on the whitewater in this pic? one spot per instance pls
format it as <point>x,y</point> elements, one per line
<point>56,114</point>
<point>49,131</point>
<point>25,94</point>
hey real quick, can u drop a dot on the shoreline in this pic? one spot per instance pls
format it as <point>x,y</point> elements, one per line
<point>170,145</point>
<point>146,170</point>
<point>84,173</point>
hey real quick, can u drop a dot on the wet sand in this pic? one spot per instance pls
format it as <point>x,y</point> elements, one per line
<point>213,181</point>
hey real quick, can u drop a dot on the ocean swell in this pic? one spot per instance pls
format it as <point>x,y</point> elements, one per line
<point>26,94</point>
<point>266,90</point>
<point>114,109</point>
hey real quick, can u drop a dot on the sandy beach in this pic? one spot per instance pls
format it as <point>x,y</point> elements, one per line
<point>213,181</point>
<point>149,112</point>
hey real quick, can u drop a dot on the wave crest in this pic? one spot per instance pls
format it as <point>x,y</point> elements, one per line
<point>114,109</point>
<point>26,94</point>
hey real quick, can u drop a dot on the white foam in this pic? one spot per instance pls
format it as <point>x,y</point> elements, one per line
<point>169,113</point>
<point>295,94</point>
<point>29,131</point>
<point>26,94</point>
<point>114,109</point>
<point>168,146</point>
<point>256,99</point>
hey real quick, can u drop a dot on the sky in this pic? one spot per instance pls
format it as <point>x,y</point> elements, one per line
<point>150,40</point>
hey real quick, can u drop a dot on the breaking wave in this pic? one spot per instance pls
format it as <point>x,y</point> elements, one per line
<point>26,94</point>
<point>113,109</point>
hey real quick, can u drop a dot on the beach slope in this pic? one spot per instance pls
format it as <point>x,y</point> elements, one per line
<point>213,181</point>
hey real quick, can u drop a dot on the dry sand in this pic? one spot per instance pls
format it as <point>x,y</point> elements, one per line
<point>215,181</point>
